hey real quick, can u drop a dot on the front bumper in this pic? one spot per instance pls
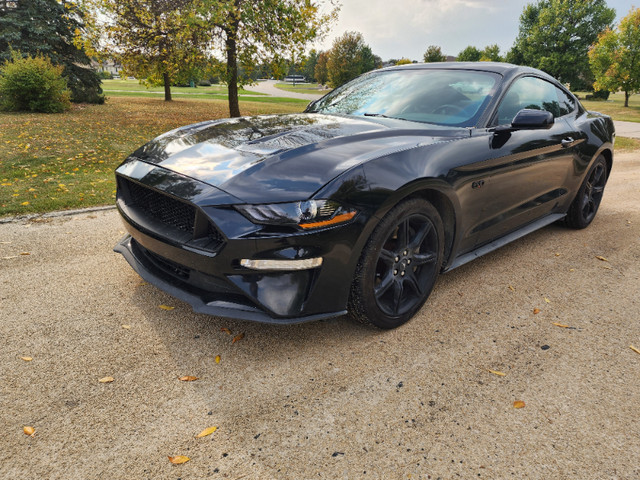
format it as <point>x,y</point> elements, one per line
<point>208,294</point>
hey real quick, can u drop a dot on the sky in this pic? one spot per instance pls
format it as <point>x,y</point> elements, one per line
<point>405,28</point>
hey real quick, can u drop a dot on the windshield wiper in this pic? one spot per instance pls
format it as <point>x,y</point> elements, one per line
<point>376,115</point>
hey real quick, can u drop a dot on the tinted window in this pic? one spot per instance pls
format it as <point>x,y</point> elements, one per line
<point>443,97</point>
<point>535,93</point>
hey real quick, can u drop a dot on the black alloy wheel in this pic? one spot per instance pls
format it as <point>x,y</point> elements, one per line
<point>399,265</point>
<point>584,207</point>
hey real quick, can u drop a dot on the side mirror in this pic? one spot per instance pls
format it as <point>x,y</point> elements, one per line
<point>528,118</point>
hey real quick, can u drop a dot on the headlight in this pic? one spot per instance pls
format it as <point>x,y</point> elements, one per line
<point>306,214</point>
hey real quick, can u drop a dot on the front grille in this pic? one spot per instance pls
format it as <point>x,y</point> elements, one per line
<point>161,210</point>
<point>166,209</point>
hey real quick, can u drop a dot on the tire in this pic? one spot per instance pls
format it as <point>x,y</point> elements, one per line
<point>584,207</point>
<point>398,266</point>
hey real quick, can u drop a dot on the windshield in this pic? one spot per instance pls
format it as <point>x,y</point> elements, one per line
<point>444,97</point>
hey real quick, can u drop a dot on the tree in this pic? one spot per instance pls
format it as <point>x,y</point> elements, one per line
<point>309,66</point>
<point>555,36</point>
<point>491,53</point>
<point>321,72</point>
<point>434,54</point>
<point>153,39</point>
<point>615,58</point>
<point>253,30</point>
<point>469,54</point>
<point>349,57</point>
<point>403,61</point>
<point>49,27</point>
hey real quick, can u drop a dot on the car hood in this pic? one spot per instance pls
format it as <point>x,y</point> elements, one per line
<point>283,157</point>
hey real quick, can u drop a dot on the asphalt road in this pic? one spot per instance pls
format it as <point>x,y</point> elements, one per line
<point>326,400</point>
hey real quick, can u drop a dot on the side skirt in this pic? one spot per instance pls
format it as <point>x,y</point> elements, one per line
<point>500,242</point>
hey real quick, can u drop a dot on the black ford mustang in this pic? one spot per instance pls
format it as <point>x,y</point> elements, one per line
<point>358,203</point>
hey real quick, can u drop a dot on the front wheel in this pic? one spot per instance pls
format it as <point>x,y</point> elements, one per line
<point>584,207</point>
<point>398,266</point>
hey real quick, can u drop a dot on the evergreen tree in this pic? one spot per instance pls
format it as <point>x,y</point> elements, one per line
<point>48,27</point>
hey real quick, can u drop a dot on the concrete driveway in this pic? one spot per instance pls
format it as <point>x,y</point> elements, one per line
<point>326,400</point>
<point>269,87</point>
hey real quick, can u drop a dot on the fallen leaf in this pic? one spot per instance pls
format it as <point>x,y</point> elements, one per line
<point>25,253</point>
<point>536,311</point>
<point>547,300</point>
<point>166,307</point>
<point>501,374</point>
<point>9,258</point>
<point>511,288</point>
<point>561,325</point>
<point>217,358</point>
<point>237,338</point>
<point>206,432</point>
<point>518,404</point>
<point>225,330</point>
<point>601,258</point>
<point>106,380</point>
<point>29,431</point>
<point>634,349</point>
<point>179,459</point>
<point>557,254</point>
<point>26,359</point>
<point>126,327</point>
<point>142,284</point>
<point>572,269</point>
<point>187,378</point>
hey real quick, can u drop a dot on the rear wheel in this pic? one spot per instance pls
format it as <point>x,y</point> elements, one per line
<point>398,266</point>
<point>584,207</point>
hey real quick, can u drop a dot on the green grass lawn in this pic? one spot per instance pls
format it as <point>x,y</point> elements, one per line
<point>120,87</point>
<point>64,161</point>
<point>312,88</point>
<point>615,106</point>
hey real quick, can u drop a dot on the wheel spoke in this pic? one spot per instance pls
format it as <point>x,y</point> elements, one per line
<point>387,256</point>
<point>384,285</point>
<point>597,175</point>
<point>597,190</point>
<point>397,296</point>
<point>422,258</point>
<point>403,234</point>
<point>420,236</point>
<point>413,282</point>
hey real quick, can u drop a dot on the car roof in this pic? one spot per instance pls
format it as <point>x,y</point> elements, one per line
<point>496,67</point>
<point>507,70</point>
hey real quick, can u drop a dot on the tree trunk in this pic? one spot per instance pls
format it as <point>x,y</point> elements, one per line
<point>232,72</point>
<point>167,87</point>
<point>626,98</point>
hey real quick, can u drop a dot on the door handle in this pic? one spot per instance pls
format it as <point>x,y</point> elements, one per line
<point>567,142</point>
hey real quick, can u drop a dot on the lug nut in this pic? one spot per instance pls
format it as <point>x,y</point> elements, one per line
<point>405,252</point>
<point>402,273</point>
<point>395,272</point>
<point>397,259</point>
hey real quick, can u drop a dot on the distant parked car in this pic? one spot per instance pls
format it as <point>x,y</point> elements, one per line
<point>357,204</point>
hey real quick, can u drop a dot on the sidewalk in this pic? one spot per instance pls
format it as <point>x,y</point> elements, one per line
<point>627,129</point>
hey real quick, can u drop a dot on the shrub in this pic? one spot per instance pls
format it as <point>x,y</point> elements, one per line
<point>601,95</point>
<point>105,75</point>
<point>33,84</point>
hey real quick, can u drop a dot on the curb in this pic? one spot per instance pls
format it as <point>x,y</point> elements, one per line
<point>60,213</point>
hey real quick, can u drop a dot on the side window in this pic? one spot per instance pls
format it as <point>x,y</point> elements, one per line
<point>535,93</point>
